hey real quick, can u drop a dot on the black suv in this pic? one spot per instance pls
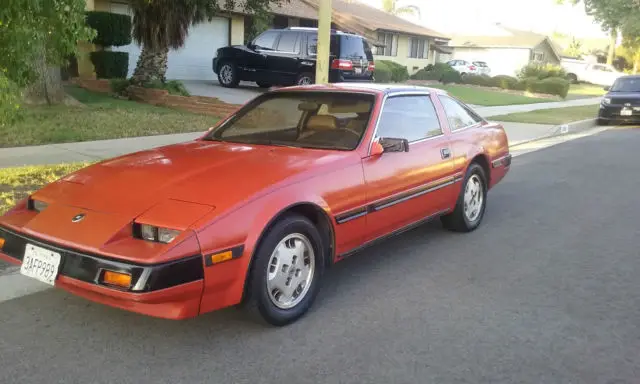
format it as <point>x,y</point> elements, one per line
<point>288,57</point>
<point>622,101</point>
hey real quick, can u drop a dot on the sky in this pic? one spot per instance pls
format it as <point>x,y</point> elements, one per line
<point>473,16</point>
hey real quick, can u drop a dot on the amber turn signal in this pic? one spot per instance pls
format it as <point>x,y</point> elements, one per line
<point>220,257</point>
<point>1,242</point>
<point>116,278</point>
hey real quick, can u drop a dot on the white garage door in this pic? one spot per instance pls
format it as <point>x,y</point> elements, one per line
<point>193,60</point>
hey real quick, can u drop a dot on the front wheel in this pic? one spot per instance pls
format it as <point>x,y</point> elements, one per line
<point>471,204</point>
<point>263,84</point>
<point>228,75</point>
<point>287,270</point>
<point>305,79</point>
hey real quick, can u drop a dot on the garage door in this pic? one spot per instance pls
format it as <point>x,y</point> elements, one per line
<point>193,60</point>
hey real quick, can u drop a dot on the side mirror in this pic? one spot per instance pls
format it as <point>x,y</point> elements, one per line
<point>606,87</point>
<point>251,46</point>
<point>390,144</point>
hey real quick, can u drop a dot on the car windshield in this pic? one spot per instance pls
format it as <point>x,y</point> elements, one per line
<point>626,85</point>
<point>319,120</point>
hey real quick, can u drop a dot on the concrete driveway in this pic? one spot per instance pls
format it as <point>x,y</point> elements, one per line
<point>546,291</point>
<point>245,92</point>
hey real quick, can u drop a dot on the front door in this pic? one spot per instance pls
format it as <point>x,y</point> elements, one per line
<point>283,63</point>
<point>405,187</point>
<point>253,63</point>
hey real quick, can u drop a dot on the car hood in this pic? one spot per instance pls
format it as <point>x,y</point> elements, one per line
<point>209,173</point>
<point>623,95</point>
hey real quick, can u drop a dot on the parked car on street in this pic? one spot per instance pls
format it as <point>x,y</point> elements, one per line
<point>288,57</point>
<point>483,68</point>
<point>593,73</point>
<point>257,209</point>
<point>463,67</point>
<point>622,101</point>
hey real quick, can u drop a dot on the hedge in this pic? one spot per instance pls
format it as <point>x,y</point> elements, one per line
<point>113,30</point>
<point>551,85</point>
<point>439,71</point>
<point>382,72</point>
<point>399,73</point>
<point>109,64</point>
<point>541,71</point>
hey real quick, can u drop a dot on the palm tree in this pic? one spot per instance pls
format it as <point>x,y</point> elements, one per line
<point>160,25</point>
<point>393,7</point>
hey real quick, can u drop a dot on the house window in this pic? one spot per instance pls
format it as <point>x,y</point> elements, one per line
<point>538,56</point>
<point>418,48</point>
<point>391,44</point>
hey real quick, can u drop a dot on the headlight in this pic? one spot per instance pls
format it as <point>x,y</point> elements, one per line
<point>606,100</point>
<point>37,205</point>
<point>157,234</point>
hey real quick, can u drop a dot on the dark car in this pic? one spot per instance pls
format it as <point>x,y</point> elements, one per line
<point>288,57</point>
<point>622,101</point>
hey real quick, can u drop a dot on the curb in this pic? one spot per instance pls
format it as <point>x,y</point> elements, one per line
<point>563,129</point>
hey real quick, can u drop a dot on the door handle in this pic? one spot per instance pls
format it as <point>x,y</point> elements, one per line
<point>445,153</point>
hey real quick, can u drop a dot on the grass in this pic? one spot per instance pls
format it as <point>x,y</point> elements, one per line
<point>553,116</point>
<point>100,117</point>
<point>583,90</point>
<point>17,183</point>
<point>487,97</point>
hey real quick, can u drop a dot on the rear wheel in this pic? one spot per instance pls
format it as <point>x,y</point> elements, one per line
<point>305,78</point>
<point>572,78</point>
<point>228,75</point>
<point>286,271</point>
<point>471,204</point>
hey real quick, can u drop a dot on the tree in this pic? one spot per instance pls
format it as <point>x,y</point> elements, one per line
<point>160,25</point>
<point>574,49</point>
<point>36,37</point>
<point>393,7</point>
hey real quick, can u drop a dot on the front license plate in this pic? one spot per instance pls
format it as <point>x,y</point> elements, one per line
<point>626,112</point>
<point>40,264</point>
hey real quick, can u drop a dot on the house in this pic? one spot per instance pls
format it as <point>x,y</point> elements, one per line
<point>392,37</point>
<point>506,50</point>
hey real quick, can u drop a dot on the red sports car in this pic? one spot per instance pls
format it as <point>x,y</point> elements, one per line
<point>256,210</point>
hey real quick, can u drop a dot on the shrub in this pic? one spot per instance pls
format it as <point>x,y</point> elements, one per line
<point>383,73</point>
<point>505,82</point>
<point>552,85</point>
<point>119,86</point>
<point>436,72</point>
<point>9,100</point>
<point>399,73</point>
<point>481,80</point>
<point>174,87</point>
<point>112,29</point>
<point>541,71</point>
<point>451,76</point>
<point>109,64</point>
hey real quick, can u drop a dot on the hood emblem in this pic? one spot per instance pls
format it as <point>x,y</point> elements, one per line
<point>77,218</point>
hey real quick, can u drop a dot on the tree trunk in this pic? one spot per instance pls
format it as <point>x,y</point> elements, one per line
<point>636,65</point>
<point>48,88</point>
<point>151,66</point>
<point>612,47</point>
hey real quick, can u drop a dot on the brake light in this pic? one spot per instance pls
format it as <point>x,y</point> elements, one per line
<point>371,67</point>
<point>341,64</point>
<point>472,67</point>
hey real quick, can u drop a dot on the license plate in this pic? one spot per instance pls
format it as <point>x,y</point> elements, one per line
<point>626,112</point>
<point>40,264</point>
<point>357,71</point>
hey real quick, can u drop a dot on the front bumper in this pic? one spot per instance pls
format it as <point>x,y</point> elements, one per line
<point>614,113</point>
<point>169,290</point>
<point>214,65</point>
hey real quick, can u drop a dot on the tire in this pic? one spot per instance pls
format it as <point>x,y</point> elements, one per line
<point>228,75</point>
<point>305,78</point>
<point>264,299</point>
<point>263,84</point>
<point>458,220</point>
<point>602,122</point>
<point>572,78</point>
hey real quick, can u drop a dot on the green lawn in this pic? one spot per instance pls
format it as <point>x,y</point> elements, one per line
<point>18,183</point>
<point>100,117</point>
<point>582,90</point>
<point>487,97</point>
<point>551,116</point>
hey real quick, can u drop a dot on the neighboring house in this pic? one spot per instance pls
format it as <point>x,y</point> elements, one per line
<point>506,50</point>
<point>393,38</point>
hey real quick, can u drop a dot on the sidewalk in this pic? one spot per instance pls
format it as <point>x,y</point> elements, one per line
<point>104,149</point>
<point>506,109</point>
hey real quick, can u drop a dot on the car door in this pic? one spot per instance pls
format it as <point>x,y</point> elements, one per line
<point>405,187</point>
<point>462,123</point>
<point>255,63</point>
<point>284,61</point>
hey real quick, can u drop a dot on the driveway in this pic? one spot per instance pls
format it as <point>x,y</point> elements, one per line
<point>242,94</point>
<point>545,291</point>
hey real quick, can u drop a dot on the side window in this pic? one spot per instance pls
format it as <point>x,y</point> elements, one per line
<point>458,116</point>
<point>409,117</point>
<point>312,44</point>
<point>266,40</point>
<point>289,42</point>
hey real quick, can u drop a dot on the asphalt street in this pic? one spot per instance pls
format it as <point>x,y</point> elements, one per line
<point>545,291</point>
